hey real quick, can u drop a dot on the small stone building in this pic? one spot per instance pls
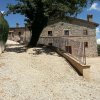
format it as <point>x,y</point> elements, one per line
<point>19,34</point>
<point>68,28</point>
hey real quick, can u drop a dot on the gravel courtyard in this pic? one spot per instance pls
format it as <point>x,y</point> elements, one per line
<point>25,75</point>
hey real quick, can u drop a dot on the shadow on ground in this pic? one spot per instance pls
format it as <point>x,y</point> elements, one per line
<point>48,50</point>
<point>42,49</point>
<point>15,48</point>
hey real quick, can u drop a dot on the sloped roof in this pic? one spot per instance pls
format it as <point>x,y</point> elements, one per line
<point>71,20</point>
<point>66,19</point>
<point>86,21</point>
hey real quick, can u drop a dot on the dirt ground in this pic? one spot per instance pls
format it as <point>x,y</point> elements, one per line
<point>95,68</point>
<point>41,74</point>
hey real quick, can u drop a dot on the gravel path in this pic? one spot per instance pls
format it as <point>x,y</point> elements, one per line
<point>25,75</point>
<point>95,68</point>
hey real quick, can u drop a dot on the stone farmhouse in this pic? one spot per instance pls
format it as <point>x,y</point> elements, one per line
<point>73,29</point>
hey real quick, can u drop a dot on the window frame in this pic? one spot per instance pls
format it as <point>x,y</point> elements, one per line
<point>68,32</point>
<point>86,44</point>
<point>85,32</point>
<point>19,33</point>
<point>50,34</point>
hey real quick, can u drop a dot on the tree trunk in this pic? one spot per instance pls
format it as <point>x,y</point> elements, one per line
<point>37,28</point>
<point>34,38</point>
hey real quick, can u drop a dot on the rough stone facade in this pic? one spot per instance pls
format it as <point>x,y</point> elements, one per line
<point>19,34</point>
<point>75,28</point>
<point>76,33</point>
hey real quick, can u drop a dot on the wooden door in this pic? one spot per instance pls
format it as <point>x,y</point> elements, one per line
<point>69,49</point>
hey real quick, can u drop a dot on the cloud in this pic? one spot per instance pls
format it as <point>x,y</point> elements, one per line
<point>98,41</point>
<point>98,33</point>
<point>94,6</point>
<point>98,30</point>
<point>2,12</point>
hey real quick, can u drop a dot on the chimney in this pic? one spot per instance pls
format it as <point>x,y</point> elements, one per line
<point>17,25</point>
<point>89,18</point>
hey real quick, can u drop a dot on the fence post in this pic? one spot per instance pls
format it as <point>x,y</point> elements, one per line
<point>84,55</point>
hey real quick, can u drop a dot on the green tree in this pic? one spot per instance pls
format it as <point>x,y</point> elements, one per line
<point>4,30</point>
<point>39,12</point>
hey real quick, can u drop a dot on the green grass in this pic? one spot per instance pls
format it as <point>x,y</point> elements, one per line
<point>98,47</point>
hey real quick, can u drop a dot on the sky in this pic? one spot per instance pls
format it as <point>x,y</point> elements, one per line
<point>94,9</point>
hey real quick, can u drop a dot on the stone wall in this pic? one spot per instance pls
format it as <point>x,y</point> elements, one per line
<point>75,33</point>
<point>75,30</point>
<point>20,35</point>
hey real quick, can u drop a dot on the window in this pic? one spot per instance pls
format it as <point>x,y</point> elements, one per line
<point>68,49</point>
<point>19,33</point>
<point>9,33</point>
<point>85,32</point>
<point>66,32</point>
<point>50,44</point>
<point>86,44</point>
<point>49,33</point>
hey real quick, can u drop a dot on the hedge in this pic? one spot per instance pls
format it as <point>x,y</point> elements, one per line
<point>4,30</point>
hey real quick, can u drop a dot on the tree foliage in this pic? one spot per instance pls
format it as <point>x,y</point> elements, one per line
<point>4,29</point>
<point>39,12</point>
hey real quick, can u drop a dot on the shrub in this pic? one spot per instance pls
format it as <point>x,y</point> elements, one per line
<point>4,30</point>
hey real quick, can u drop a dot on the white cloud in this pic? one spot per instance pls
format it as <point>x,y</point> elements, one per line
<point>94,6</point>
<point>98,41</point>
<point>2,12</point>
<point>98,30</point>
<point>98,35</point>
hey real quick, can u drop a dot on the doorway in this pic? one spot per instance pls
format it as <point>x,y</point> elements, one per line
<point>68,49</point>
